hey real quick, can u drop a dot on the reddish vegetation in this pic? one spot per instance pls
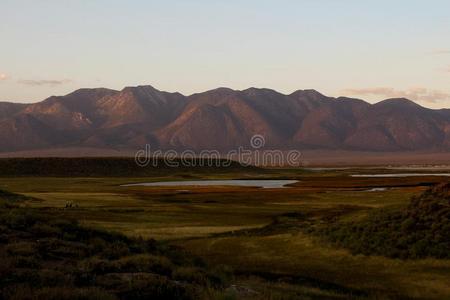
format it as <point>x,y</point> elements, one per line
<point>220,119</point>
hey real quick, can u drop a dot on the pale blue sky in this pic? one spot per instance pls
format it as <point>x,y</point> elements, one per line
<point>368,49</point>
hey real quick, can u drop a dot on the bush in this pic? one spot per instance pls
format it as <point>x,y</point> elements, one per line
<point>19,219</point>
<point>21,248</point>
<point>116,250</point>
<point>190,274</point>
<point>145,263</point>
<point>43,230</point>
<point>147,286</point>
<point>58,293</point>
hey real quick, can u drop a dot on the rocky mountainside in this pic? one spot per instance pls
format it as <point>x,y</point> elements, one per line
<point>220,119</point>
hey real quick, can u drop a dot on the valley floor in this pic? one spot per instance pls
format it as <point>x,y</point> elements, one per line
<point>254,231</point>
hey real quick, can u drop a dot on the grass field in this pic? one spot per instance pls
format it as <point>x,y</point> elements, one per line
<point>249,229</point>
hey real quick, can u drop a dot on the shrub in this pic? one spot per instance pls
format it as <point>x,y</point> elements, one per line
<point>145,263</point>
<point>60,293</point>
<point>50,278</point>
<point>116,250</point>
<point>147,286</point>
<point>43,230</point>
<point>26,262</point>
<point>19,219</point>
<point>21,248</point>
<point>190,274</point>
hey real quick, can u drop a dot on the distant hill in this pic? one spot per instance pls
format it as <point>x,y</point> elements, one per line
<point>114,166</point>
<point>220,119</point>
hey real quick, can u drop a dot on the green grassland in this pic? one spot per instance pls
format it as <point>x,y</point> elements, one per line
<point>266,236</point>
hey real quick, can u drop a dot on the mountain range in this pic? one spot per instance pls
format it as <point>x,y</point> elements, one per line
<point>221,119</point>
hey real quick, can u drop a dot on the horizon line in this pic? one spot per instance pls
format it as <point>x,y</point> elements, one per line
<point>225,88</point>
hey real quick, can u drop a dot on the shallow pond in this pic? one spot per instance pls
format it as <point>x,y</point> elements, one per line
<point>401,175</point>
<point>266,184</point>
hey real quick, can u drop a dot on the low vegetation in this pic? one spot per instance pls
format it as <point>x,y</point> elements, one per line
<point>421,230</point>
<point>46,256</point>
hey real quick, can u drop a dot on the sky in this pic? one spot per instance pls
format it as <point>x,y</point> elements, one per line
<point>365,49</point>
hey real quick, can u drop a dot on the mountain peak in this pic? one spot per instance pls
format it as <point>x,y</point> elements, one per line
<point>90,90</point>
<point>221,89</point>
<point>311,96</point>
<point>218,92</point>
<point>87,92</point>
<point>139,88</point>
<point>256,92</point>
<point>399,102</point>
<point>308,92</point>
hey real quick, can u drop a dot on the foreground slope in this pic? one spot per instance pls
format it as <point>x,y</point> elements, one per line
<point>43,255</point>
<point>421,230</point>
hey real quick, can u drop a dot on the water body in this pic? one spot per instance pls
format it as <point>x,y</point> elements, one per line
<point>401,175</point>
<point>382,189</point>
<point>266,184</point>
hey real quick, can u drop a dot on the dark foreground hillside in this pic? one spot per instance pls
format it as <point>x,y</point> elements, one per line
<point>421,230</point>
<point>43,255</point>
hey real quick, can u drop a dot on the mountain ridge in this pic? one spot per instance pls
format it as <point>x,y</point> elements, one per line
<point>221,119</point>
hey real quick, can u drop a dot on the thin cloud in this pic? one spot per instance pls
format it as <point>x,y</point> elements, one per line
<point>416,93</point>
<point>52,82</point>
<point>3,76</point>
<point>441,52</point>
